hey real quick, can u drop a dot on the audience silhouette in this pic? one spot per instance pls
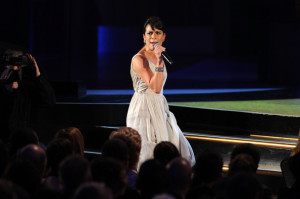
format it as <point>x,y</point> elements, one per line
<point>73,171</point>
<point>21,138</point>
<point>61,171</point>
<point>24,173</point>
<point>36,155</point>
<point>116,149</point>
<point>244,185</point>
<point>152,179</point>
<point>294,168</point>
<point>179,177</point>
<point>93,190</point>
<point>10,190</point>
<point>134,142</point>
<point>208,168</point>
<point>57,150</point>
<point>75,136</point>
<point>165,151</point>
<point>110,172</point>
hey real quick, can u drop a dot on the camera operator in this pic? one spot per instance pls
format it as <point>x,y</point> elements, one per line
<point>23,88</point>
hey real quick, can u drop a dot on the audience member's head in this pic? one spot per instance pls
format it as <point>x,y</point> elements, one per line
<point>242,163</point>
<point>10,190</point>
<point>110,171</point>
<point>208,167</point>
<point>37,155</point>
<point>165,151</point>
<point>23,173</point>
<point>73,171</point>
<point>93,190</point>
<point>244,185</point>
<point>179,176</point>
<point>134,142</point>
<point>152,178</point>
<point>56,151</point>
<point>249,149</point>
<point>75,136</point>
<point>21,138</point>
<point>3,157</point>
<point>118,150</point>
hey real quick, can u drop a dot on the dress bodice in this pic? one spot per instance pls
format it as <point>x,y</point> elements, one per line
<point>138,84</point>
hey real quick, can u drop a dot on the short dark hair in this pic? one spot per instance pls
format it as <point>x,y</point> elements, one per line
<point>242,163</point>
<point>73,171</point>
<point>152,178</point>
<point>57,150</point>
<point>117,149</point>
<point>246,148</point>
<point>134,142</point>
<point>154,22</point>
<point>165,151</point>
<point>208,167</point>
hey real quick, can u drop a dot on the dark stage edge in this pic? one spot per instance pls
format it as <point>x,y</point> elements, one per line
<point>197,119</point>
<point>192,119</point>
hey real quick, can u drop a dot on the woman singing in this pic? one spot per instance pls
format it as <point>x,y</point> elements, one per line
<point>148,111</point>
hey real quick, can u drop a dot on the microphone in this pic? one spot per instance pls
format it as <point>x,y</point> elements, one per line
<point>165,55</point>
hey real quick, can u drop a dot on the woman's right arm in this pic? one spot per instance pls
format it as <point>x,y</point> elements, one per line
<point>153,80</point>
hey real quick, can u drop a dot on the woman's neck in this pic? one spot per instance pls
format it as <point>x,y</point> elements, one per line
<point>148,53</point>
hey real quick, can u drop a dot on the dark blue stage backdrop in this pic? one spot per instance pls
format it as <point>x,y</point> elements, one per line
<point>214,43</point>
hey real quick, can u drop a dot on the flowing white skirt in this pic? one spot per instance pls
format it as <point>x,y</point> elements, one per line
<point>149,114</point>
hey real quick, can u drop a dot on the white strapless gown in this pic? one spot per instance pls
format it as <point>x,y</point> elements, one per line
<point>149,114</point>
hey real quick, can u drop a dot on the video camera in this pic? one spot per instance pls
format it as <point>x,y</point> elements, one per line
<point>14,66</point>
<point>22,60</point>
<point>15,58</point>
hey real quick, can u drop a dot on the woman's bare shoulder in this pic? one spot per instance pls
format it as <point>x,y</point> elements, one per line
<point>139,60</point>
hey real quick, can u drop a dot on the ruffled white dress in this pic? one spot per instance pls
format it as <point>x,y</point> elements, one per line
<point>149,114</point>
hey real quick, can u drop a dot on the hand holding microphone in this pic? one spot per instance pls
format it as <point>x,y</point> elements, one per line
<point>164,55</point>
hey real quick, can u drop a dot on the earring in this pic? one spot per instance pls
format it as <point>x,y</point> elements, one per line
<point>144,41</point>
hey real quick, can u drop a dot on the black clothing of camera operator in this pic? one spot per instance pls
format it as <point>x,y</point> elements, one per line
<point>23,87</point>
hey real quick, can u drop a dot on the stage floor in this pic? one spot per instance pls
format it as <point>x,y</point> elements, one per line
<point>278,101</point>
<point>283,106</point>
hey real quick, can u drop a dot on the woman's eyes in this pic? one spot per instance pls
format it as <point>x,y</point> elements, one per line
<point>150,33</point>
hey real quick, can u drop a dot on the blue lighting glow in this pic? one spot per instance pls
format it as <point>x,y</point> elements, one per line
<point>116,39</point>
<point>104,37</point>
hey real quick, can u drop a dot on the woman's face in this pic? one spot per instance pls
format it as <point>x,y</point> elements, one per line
<point>152,37</point>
